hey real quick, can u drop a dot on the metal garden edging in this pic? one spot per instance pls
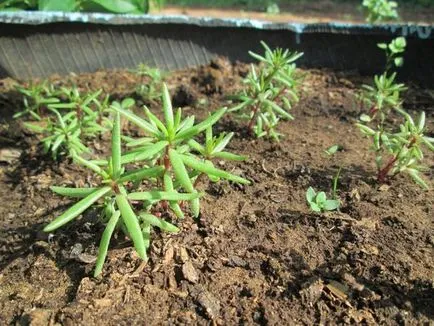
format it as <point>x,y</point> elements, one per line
<point>39,44</point>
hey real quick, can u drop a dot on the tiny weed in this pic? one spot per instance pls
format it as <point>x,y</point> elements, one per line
<point>380,10</point>
<point>269,93</point>
<point>318,202</point>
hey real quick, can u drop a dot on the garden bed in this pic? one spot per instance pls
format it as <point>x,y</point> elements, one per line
<point>256,255</point>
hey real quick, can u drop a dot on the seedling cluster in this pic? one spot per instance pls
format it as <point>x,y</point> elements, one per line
<point>404,145</point>
<point>270,92</point>
<point>380,10</point>
<point>157,176</point>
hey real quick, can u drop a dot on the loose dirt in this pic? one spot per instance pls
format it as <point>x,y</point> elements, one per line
<point>256,255</point>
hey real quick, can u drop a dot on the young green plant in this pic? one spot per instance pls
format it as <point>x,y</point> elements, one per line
<point>61,135</point>
<point>318,202</point>
<point>150,84</point>
<point>116,200</point>
<point>36,99</point>
<point>167,145</point>
<point>404,148</point>
<point>269,93</point>
<point>380,10</point>
<point>393,52</point>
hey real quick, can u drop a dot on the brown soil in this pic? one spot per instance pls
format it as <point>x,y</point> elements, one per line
<point>306,12</point>
<point>256,255</point>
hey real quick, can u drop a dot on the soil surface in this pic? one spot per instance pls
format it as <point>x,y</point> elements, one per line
<point>256,255</point>
<point>306,12</point>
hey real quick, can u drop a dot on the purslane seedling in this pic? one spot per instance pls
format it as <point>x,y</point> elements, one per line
<point>151,89</point>
<point>382,98</point>
<point>393,52</point>
<point>85,107</point>
<point>318,202</point>
<point>404,149</point>
<point>270,92</point>
<point>114,199</point>
<point>167,145</point>
<point>36,98</point>
<point>61,135</point>
<point>380,10</point>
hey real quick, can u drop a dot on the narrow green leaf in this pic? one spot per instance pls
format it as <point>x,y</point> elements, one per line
<point>76,209</point>
<point>73,192</point>
<point>230,156</point>
<point>168,111</point>
<point>202,125</point>
<point>183,178</point>
<point>279,110</point>
<point>168,186</point>
<point>158,222</point>
<point>223,143</point>
<point>132,224</point>
<point>137,121</point>
<point>163,195</point>
<point>205,168</point>
<point>139,141</point>
<point>91,165</point>
<point>140,174</point>
<point>153,118</point>
<point>116,147</point>
<point>145,154</point>
<point>105,241</point>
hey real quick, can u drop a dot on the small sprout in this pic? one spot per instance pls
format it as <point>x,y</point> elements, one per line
<point>319,202</point>
<point>393,51</point>
<point>117,209</point>
<point>380,10</point>
<point>382,98</point>
<point>403,147</point>
<point>168,145</point>
<point>62,135</point>
<point>150,84</point>
<point>269,93</point>
<point>332,150</point>
<point>36,99</point>
<point>85,108</point>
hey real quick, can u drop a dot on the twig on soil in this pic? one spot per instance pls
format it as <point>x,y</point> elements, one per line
<point>265,169</point>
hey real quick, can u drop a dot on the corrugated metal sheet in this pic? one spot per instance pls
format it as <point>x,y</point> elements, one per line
<point>38,44</point>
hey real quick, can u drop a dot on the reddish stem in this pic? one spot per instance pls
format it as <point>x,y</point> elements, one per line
<point>382,174</point>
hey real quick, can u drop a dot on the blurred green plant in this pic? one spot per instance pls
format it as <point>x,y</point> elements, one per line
<point>110,6</point>
<point>318,202</point>
<point>61,135</point>
<point>150,83</point>
<point>382,98</point>
<point>270,93</point>
<point>37,96</point>
<point>393,51</point>
<point>380,10</point>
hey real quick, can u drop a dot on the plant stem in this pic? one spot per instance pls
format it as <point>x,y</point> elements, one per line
<point>382,174</point>
<point>253,119</point>
<point>335,182</point>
